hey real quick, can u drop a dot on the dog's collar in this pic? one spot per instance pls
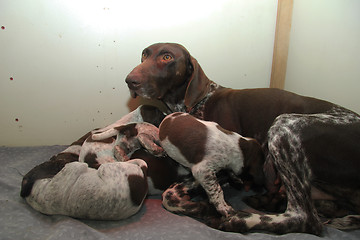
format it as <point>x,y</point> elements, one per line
<point>198,109</point>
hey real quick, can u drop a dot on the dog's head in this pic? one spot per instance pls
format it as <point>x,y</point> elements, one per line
<point>168,72</point>
<point>47,169</point>
<point>252,174</point>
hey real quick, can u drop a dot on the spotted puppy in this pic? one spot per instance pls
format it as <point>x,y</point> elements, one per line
<point>117,144</point>
<point>206,148</point>
<point>112,192</point>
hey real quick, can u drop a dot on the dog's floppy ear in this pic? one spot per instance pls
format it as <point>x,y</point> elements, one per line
<point>198,85</point>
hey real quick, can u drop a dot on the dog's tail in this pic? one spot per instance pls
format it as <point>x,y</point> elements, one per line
<point>349,222</point>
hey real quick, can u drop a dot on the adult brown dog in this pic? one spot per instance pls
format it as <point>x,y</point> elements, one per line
<point>313,144</point>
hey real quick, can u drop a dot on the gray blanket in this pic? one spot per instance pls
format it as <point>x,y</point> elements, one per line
<point>19,221</point>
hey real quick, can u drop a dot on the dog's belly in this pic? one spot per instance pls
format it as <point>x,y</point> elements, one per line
<point>317,194</point>
<point>326,191</point>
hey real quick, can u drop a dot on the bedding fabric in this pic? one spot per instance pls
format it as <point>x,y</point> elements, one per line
<point>19,221</point>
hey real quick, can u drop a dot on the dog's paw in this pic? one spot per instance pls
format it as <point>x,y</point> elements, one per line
<point>226,211</point>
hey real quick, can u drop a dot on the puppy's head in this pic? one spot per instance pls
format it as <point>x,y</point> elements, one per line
<point>128,130</point>
<point>45,170</point>
<point>252,173</point>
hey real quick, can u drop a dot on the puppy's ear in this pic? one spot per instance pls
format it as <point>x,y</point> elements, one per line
<point>198,84</point>
<point>128,130</point>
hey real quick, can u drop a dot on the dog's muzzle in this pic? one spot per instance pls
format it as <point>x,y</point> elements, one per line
<point>133,85</point>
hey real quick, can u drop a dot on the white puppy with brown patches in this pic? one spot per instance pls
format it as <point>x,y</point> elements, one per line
<point>114,191</point>
<point>117,144</point>
<point>206,148</point>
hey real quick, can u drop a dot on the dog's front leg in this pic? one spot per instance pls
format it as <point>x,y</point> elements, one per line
<point>178,199</point>
<point>208,180</point>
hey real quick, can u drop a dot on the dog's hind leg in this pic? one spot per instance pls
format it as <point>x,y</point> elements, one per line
<point>289,158</point>
<point>285,147</point>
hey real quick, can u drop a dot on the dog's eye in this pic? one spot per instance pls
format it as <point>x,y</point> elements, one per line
<point>167,57</point>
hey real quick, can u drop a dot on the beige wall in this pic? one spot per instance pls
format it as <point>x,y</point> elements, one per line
<point>69,58</point>
<point>324,51</point>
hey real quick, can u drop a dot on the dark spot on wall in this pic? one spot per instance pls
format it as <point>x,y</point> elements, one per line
<point>11,78</point>
<point>3,27</point>
<point>16,119</point>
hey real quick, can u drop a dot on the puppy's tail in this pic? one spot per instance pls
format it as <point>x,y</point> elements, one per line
<point>349,222</point>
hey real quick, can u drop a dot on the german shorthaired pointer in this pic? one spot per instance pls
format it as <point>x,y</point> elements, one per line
<point>206,148</point>
<point>312,145</point>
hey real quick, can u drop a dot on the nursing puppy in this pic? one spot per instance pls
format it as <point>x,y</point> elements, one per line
<point>206,148</point>
<point>112,192</point>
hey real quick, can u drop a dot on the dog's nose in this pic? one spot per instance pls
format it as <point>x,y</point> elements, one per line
<point>131,82</point>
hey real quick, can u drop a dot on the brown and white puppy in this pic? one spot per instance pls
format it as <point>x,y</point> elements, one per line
<point>117,144</point>
<point>112,192</point>
<point>206,148</point>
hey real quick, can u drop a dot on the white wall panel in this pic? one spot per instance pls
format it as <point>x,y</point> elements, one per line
<point>324,51</point>
<point>69,58</point>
